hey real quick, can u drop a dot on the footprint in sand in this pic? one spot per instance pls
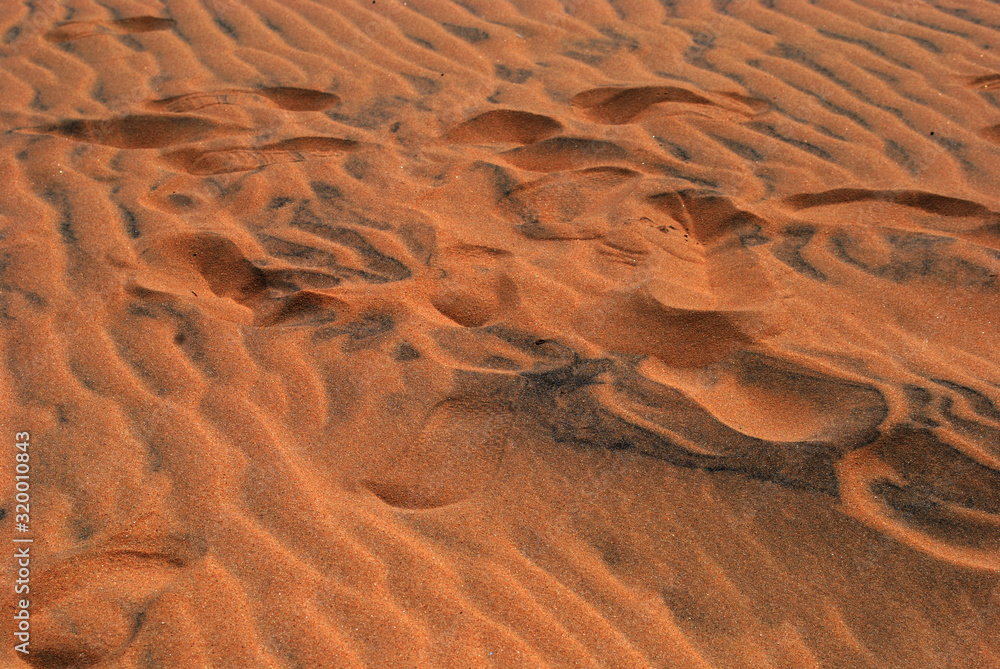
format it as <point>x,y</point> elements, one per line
<point>504,126</point>
<point>565,153</point>
<point>929,202</point>
<point>617,106</point>
<point>571,205</point>
<point>288,294</point>
<point>91,604</point>
<point>759,416</point>
<point>455,456</point>
<point>284,97</point>
<point>764,417</point>
<point>139,131</point>
<point>74,30</point>
<point>985,82</point>
<point>243,159</point>
<point>476,287</point>
<point>934,483</point>
<point>674,299</point>
<point>906,486</point>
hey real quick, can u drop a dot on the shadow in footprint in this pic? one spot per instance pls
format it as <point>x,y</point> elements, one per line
<point>140,131</point>
<point>284,97</point>
<point>927,494</point>
<point>931,203</point>
<point>985,82</point>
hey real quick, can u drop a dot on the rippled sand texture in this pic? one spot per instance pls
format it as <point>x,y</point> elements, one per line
<point>504,334</point>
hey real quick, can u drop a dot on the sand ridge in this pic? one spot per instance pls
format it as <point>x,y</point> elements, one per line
<point>518,334</point>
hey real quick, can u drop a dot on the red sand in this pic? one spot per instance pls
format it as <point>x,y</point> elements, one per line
<point>501,334</point>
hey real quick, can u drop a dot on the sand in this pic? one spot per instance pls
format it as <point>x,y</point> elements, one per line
<point>488,333</point>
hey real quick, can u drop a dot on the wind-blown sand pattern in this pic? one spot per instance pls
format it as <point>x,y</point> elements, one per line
<point>525,333</point>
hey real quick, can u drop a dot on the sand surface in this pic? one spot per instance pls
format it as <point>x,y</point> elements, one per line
<point>488,333</point>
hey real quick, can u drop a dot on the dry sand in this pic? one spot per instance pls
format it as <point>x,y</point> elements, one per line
<point>532,333</point>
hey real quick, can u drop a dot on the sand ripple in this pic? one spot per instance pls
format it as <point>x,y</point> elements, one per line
<point>515,334</point>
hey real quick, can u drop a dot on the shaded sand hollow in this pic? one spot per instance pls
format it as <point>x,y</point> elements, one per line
<point>530,333</point>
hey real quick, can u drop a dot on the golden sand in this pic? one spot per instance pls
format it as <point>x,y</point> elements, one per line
<point>489,333</point>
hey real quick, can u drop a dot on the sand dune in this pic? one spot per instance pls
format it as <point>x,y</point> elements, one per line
<point>523,333</point>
